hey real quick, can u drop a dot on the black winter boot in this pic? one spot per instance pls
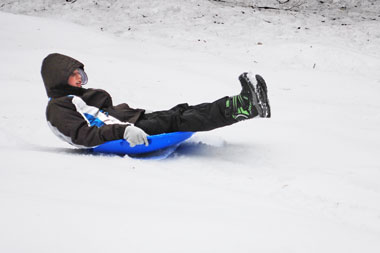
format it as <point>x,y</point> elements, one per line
<point>262,90</point>
<point>261,101</point>
<point>242,106</point>
<point>251,101</point>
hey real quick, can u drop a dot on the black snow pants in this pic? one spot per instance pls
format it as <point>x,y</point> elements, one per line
<point>202,117</point>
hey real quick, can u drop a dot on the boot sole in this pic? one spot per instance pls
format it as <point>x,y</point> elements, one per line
<point>263,95</point>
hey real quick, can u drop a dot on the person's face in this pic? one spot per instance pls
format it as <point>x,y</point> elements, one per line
<point>75,79</point>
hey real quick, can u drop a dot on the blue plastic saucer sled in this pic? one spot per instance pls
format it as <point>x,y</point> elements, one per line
<point>160,145</point>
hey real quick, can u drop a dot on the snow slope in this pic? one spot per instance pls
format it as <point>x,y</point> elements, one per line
<point>306,180</point>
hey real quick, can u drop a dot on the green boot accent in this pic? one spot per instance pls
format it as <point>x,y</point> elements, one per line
<point>241,107</point>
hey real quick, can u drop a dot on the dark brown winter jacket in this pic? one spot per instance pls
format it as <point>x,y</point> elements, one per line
<point>82,117</point>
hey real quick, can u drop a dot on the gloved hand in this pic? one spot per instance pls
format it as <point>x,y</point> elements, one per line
<point>135,136</point>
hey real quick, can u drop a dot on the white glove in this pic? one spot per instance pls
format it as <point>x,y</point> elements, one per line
<point>135,136</point>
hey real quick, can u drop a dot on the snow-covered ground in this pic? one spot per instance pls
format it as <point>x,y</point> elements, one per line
<point>306,180</point>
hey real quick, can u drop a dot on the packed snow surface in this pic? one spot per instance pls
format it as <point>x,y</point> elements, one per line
<point>306,180</point>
